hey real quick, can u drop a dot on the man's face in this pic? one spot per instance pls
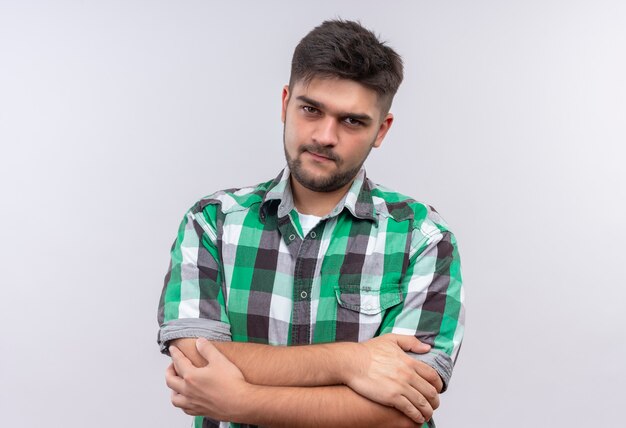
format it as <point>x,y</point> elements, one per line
<point>330,127</point>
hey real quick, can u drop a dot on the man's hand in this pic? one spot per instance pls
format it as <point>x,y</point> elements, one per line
<point>383,373</point>
<point>216,390</point>
<point>383,386</point>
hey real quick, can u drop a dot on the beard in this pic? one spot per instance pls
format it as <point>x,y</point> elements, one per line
<point>329,183</point>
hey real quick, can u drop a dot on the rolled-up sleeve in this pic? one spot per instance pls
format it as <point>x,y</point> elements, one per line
<point>192,302</point>
<point>433,305</point>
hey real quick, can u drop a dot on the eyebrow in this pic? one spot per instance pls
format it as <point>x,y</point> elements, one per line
<point>358,116</point>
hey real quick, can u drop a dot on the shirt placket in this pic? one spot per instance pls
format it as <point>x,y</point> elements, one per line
<point>304,253</point>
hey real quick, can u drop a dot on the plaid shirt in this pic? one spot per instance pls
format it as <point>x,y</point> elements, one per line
<point>378,263</point>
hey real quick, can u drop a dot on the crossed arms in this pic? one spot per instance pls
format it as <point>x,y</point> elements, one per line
<point>373,383</point>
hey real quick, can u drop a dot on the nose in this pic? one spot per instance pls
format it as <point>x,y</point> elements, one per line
<point>326,132</point>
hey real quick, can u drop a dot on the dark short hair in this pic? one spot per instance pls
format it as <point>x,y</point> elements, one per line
<point>347,50</point>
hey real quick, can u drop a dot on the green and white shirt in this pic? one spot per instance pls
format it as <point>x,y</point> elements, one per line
<point>242,270</point>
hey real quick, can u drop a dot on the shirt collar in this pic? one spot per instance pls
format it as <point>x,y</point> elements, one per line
<point>358,200</point>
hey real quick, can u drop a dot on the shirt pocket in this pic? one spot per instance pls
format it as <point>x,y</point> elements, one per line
<point>368,299</point>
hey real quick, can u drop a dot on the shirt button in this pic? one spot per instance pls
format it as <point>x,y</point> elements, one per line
<point>303,294</point>
<point>292,237</point>
<point>313,235</point>
<point>368,307</point>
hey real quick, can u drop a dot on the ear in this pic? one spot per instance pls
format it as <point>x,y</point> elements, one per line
<point>383,129</point>
<point>285,101</point>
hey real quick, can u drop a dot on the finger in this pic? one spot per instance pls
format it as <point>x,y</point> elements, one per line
<point>173,381</point>
<point>404,405</point>
<point>179,400</point>
<point>182,365</point>
<point>419,392</point>
<point>170,370</point>
<point>418,401</point>
<point>426,391</point>
<point>183,403</point>
<point>208,350</point>
<point>412,344</point>
<point>429,374</point>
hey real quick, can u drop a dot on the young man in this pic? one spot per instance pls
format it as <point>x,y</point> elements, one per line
<point>364,280</point>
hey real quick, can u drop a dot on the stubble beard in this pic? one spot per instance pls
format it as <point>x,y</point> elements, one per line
<point>330,183</point>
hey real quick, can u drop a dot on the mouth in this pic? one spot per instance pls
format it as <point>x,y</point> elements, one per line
<point>320,157</point>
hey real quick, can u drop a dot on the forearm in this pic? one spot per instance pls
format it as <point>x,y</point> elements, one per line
<point>336,406</point>
<point>278,386</point>
<point>307,365</point>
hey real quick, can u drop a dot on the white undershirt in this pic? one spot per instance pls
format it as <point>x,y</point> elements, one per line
<point>308,222</point>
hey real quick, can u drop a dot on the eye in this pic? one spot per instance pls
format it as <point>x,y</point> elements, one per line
<point>310,110</point>
<point>353,122</point>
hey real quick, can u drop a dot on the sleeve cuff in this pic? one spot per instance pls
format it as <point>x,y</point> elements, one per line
<point>438,360</point>
<point>192,327</point>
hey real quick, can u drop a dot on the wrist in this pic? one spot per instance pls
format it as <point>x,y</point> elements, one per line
<point>246,404</point>
<point>350,362</point>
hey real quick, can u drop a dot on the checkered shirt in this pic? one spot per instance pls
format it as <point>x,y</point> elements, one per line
<point>378,263</point>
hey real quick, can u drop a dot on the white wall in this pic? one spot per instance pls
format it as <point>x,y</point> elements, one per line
<point>116,116</point>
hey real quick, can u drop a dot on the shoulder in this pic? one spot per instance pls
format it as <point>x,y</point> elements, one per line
<point>427,226</point>
<point>400,207</point>
<point>210,211</point>
<point>232,200</point>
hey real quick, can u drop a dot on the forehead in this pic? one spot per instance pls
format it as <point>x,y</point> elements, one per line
<point>339,95</point>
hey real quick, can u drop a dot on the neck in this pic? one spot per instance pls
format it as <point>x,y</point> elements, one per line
<point>308,201</point>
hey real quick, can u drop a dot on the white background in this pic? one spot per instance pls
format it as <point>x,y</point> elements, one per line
<point>116,116</point>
